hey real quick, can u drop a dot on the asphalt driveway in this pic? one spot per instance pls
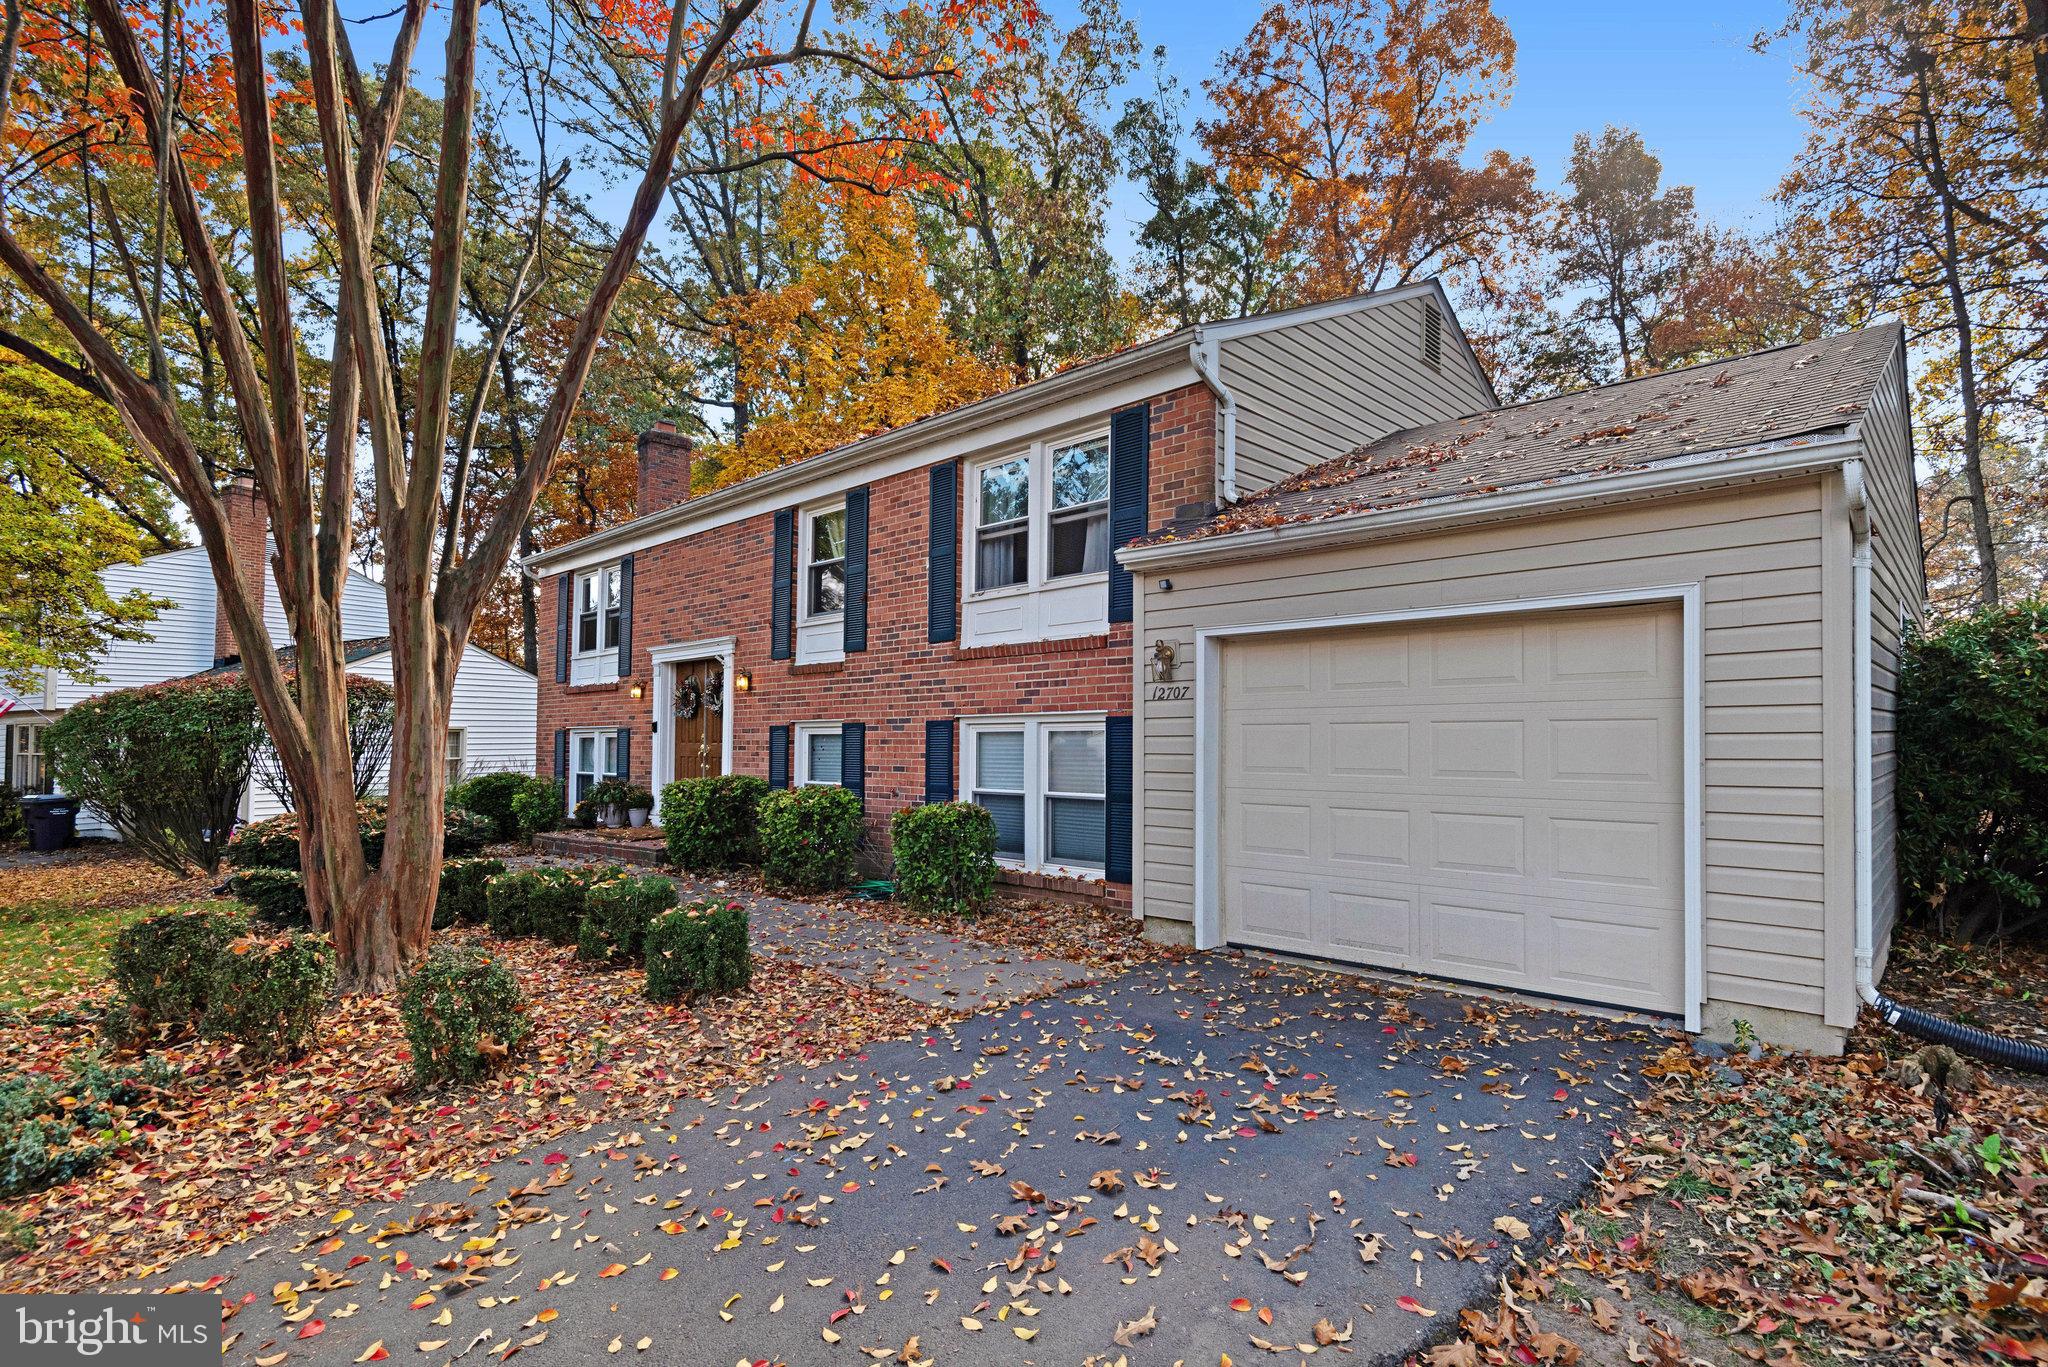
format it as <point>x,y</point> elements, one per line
<point>1204,1146</point>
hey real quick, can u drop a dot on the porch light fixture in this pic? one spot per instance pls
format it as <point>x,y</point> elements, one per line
<point>743,682</point>
<point>637,690</point>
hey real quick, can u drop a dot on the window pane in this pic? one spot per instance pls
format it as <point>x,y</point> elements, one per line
<point>586,632</point>
<point>828,536</point>
<point>1005,491</point>
<point>1002,559</point>
<point>823,757</point>
<point>999,760</point>
<point>586,754</point>
<point>611,590</point>
<point>1008,810</point>
<point>1075,762</point>
<point>611,754</point>
<point>589,583</point>
<point>1080,543</point>
<point>1075,832</point>
<point>1080,474</point>
<point>828,589</point>
<point>584,783</point>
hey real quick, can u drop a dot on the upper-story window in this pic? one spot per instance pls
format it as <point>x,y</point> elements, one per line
<point>597,624</point>
<point>821,584</point>
<point>1038,543</point>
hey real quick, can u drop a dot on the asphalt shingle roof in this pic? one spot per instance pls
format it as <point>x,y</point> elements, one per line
<point>352,652</point>
<point>1804,389</point>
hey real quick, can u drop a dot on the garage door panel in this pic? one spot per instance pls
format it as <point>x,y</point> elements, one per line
<point>1493,800</point>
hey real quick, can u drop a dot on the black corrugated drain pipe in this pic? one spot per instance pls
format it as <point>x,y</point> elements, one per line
<point>1966,1039</point>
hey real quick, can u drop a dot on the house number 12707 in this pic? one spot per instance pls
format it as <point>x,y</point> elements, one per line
<point>1170,693</point>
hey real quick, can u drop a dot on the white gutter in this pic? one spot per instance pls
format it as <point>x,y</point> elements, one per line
<point>1859,653</point>
<point>1772,460</point>
<point>1206,354</point>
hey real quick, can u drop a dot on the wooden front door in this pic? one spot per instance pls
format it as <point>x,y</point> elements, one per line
<point>697,719</point>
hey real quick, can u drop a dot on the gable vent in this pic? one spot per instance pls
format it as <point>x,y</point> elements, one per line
<point>1432,337</point>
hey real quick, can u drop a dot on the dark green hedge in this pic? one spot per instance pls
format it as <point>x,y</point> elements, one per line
<point>711,822</point>
<point>808,837</point>
<point>463,1014</point>
<point>945,858</point>
<point>700,947</point>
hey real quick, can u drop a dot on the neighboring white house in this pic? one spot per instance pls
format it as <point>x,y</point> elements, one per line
<point>491,722</point>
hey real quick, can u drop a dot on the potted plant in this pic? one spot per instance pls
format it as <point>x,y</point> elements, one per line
<point>610,799</point>
<point>638,802</point>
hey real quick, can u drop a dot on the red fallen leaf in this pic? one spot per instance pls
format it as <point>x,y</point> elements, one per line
<point>554,1158</point>
<point>376,1352</point>
<point>312,1327</point>
<point>1766,1324</point>
<point>1413,1306</point>
<point>1560,1095</point>
<point>1265,1314</point>
<point>1524,1356</point>
<point>612,1271</point>
<point>1240,1305</point>
<point>942,1265</point>
<point>851,1187</point>
<point>837,1315</point>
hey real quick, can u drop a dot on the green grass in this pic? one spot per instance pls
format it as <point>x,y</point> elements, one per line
<point>50,952</point>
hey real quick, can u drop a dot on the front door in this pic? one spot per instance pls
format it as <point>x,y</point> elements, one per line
<point>697,723</point>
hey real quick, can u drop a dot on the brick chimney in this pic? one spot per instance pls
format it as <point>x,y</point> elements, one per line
<point>248,531</point>
<point>664,468</point>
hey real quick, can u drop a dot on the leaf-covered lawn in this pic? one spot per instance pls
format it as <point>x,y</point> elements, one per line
<point>57,917</point>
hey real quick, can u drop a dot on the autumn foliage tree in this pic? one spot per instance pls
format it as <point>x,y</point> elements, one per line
<point>382,395</point>
<point>1360,114</point>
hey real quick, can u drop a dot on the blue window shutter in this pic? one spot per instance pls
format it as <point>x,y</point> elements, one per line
<point>938,761</point>
<point>942,556</point>
<point>853,757</point>
<point>1116,737</point>
<point>561,756</point>
<point>1130,451</point>
<point>625,752</point>
<point>854,626</point>
<point>778,757</point>
<point>782,599</point>
<point>565,622</point>
<point>626,617</point>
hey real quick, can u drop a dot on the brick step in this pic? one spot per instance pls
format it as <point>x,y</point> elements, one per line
<point>585,845</point>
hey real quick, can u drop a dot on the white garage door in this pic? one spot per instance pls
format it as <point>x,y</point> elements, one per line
<point>1496,800</point>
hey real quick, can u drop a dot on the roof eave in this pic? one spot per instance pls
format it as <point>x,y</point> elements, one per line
<point>1786,458</point>
<point>1157,354</point>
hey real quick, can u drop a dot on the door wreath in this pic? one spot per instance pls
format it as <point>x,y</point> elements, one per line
<point>689,698</point>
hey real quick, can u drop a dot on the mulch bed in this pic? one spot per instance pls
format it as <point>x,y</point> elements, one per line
<point>237,1152</point>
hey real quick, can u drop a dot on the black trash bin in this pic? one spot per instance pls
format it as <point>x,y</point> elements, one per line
<point>51,822</point>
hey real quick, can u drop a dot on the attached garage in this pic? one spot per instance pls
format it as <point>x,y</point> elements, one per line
<point>1497,799</point>
<point>1588,698</point>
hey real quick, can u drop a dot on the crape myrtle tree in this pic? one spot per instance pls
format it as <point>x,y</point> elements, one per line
<point>383,386</point>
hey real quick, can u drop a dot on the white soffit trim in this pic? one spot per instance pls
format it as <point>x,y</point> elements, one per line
<point>1683,474</point>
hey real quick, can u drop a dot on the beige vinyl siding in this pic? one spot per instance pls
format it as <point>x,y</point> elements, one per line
<point>1312,391</point>
<point>1898,592</point>
<point>1772,916</point>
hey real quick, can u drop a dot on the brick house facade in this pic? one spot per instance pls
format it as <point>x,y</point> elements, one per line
<point>902,679</point>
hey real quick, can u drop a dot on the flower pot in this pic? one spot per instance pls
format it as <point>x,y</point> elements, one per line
<point>608,815</point>
<point>636,816</point>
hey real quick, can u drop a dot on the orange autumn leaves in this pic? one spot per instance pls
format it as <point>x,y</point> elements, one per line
<point>857,340</point>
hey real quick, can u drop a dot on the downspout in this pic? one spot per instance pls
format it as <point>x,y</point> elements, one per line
<point>1913,1021</point>
<point>1206,354</point>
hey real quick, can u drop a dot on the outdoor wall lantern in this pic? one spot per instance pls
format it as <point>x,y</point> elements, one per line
<point>637,690</point>
<point>743,681</point>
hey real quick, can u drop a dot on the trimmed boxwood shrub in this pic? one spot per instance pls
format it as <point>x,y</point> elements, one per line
<point>616,912</point>
<point>461,895</point>
<point>463,1015</point>
<point>268,992</point>
<point>55,1128</point>
<point>273,843</point>
<point>711,822</point>
<point>698,947</point>
<point>543,902</point>
<point>537,806</point>
<point>13,826</point>
<point>490,796</point>
<point>808,836</point>
<point>277,895</point>
<point>164,968</point>
<point>945,858</point>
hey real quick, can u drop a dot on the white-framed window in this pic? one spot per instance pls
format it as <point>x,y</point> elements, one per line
<point>597,625</point>
<point>25,767</point>
<point>593,758</point>
<point>824,563</point>
<point>819,755</point>
<point>457,749</point>
<point>1045,781</point>
<point>1038,555</point>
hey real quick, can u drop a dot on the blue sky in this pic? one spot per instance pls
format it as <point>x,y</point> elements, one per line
<point>1724,119</point>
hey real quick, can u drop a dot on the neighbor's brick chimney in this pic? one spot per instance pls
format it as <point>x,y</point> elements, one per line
<point>664,468</point>
<point>248,530</point>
